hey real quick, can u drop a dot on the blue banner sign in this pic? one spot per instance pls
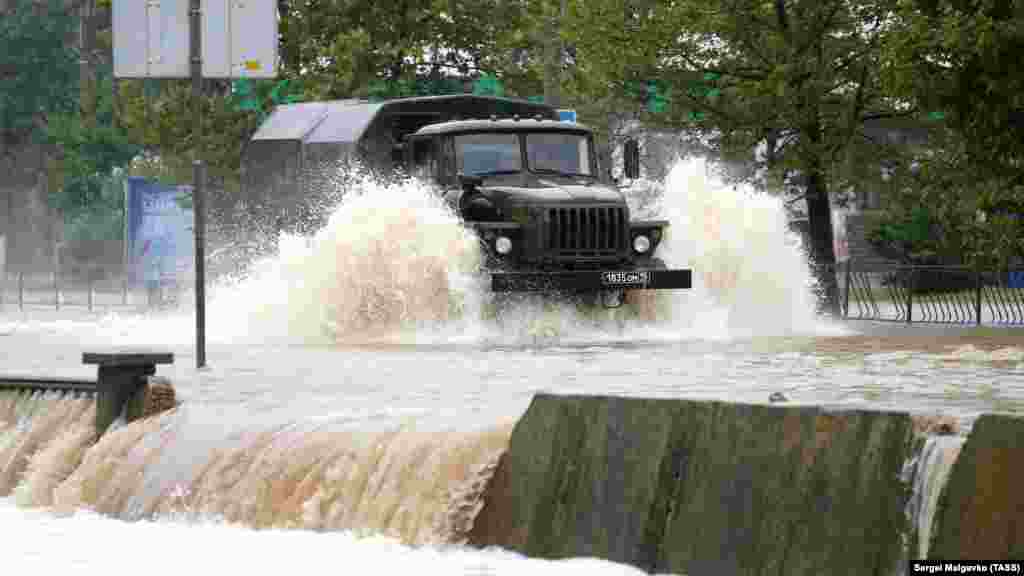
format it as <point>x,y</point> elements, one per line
<point>160,243</point>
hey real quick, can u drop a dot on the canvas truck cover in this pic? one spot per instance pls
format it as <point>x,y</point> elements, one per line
<point>289,162</point>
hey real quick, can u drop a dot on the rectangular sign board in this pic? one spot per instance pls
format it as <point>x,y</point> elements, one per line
<point>239,38</point>
<point>159,233</point>
<point>151,38</point>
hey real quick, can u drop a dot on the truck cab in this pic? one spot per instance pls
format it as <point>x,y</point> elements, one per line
<point>531,188</point>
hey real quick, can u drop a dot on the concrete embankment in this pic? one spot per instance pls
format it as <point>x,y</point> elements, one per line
<point>715,488</point>
<point>981,511</point>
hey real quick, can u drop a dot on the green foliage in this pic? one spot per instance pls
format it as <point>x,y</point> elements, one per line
<point>730,73</point>
<point>91,150</point>
<point>960,59</point>
<point>362,48</point>
<point>261,96</point>
<point>488,85</point>
<point>421,86</point>
<point>104,218</point>
<point>942,214</point>
<point>38,67</point>
<point>906,235</point>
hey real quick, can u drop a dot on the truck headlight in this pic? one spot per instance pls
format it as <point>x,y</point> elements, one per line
<point>503,245</point>
<point>641,244</point>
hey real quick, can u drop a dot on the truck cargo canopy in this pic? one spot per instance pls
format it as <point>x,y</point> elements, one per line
<point>347,121</point>
<point>337,121</point>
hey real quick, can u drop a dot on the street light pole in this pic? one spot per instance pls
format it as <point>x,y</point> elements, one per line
<point>198,201</point>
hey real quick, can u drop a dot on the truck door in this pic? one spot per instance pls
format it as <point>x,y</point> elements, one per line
<point>423,160</point>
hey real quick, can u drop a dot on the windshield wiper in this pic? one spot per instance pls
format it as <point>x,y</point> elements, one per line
<point>495,173</point>
<point>560,173</point>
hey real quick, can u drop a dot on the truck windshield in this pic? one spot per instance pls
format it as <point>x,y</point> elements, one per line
<point>564,153</point>
<point>488,153</point>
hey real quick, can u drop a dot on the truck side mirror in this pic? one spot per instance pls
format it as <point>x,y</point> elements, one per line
<point>631,159</point>
<point>469,181</point>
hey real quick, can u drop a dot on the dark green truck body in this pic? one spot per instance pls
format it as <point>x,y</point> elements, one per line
<point>529,184</point>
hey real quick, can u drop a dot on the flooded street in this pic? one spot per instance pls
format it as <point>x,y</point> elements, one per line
<point>955,371</point>
<point>346,396</point>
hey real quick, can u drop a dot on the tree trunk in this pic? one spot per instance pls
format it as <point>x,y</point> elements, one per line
<point>822,255</point>
<point>553,53</point>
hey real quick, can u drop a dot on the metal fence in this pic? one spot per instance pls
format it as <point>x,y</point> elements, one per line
<point>59,291</point>
<point>937,294</point>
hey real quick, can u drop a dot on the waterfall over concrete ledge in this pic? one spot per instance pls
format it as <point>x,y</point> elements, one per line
<point>707,488</point>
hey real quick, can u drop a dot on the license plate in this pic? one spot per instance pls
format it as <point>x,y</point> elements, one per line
<point>628,278</point>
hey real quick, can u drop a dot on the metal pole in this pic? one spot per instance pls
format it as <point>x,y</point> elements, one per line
<point>846,289</point>
<point>125,252</point>
<point>56,290</point>
<point>910,295</point>
<point>21,291</point>
<point>977,293</point>
<point>198,204</point>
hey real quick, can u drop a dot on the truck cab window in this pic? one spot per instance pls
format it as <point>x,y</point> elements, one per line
<point>488,153</point>
<point>559,152</point>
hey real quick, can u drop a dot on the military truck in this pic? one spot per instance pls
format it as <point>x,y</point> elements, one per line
<point>529,184</point>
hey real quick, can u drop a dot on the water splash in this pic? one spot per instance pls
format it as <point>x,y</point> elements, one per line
<point>394,264</point>
<point>751,277</point>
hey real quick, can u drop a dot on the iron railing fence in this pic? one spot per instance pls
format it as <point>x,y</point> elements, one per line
<point>935,294</point>
<point>897,293</point>
<point>19,291</point>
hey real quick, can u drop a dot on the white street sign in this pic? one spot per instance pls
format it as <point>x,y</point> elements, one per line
<point>151,38</point>
<point>239,39</point>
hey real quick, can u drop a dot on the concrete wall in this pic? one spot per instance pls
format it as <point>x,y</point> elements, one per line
<point>703,487</point>
<point>981,511</point>
<point>28,223</point>
<point>711,488</point>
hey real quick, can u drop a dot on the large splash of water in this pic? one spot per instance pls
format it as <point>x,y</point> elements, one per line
<point>750,274</point>
<point>395,264</point>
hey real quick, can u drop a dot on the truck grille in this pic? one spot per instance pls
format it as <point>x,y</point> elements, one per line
<point>587,231</point>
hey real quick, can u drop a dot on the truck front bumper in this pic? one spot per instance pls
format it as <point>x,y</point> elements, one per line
<point>591,280</point>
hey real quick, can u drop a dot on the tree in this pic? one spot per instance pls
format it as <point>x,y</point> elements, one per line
<point>38,77</point>
<point>88,149</point>
<point>38,70</point>
<point>798,78</point>
<point>958,60</point>
<point>343,49</point>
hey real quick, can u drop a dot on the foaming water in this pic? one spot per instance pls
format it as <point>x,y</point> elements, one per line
<point>417,486</point>
<point>85,543</point>
<point>394,264</point>
<point>751,277</point>
<point>29,423</point>
<point>392,258</point>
